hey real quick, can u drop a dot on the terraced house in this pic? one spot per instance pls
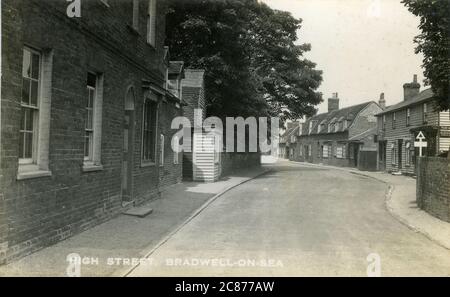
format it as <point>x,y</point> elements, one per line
<point>85,113</point>
<point>400,124</point>
<point>341,137</point>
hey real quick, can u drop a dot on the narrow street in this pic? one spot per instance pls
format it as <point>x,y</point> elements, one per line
<point>298,221</point>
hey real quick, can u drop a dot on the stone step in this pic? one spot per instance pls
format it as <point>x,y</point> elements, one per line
<point>141,211</point>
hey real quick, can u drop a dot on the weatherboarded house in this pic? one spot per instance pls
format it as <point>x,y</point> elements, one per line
<point>400,124</point>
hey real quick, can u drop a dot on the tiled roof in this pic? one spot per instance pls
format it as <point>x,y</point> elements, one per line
<point>289,132</point>
<point>421,97</point>
<point>347,113</point>
<point>364,134</point>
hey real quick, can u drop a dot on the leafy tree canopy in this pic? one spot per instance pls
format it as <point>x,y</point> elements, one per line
<point>254,65</point>
<point>434,43</point>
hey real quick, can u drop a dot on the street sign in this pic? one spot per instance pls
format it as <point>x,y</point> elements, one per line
<point>420,143</point>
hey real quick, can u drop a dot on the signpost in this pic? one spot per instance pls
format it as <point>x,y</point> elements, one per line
<point>420,143</point>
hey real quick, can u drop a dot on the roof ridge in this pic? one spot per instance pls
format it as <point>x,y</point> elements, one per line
<point>343,109</point>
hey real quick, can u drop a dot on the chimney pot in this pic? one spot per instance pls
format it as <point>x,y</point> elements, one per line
<point>410,90</point>
<point>333,102</point>
<point>382,101</point>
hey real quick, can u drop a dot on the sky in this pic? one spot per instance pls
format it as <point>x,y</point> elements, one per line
<point>363,47</point>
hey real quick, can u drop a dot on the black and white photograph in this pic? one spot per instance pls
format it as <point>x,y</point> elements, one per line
<point>254,139</point>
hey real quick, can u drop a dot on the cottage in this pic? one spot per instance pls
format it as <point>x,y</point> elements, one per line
<point>286,146</point>
<point>85,114</point>
<point>340,137</point>
<point>400,124</point>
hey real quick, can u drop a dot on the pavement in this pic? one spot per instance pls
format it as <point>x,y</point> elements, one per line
<point>111,247</point>
<point>299,220</point>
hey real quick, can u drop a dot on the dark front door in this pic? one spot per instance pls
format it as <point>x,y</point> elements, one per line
<point>382,155</point>
<point>356,154</point>
<point>127,159</point>
<point>400,149</point>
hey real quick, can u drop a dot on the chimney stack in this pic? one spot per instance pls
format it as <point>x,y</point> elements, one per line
<point>411,89</point>
<point>333,103</point>
<point>382,101</point>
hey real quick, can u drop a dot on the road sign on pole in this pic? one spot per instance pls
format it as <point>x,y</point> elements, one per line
<point>420,143</point>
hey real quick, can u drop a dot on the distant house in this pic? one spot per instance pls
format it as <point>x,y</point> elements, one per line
<point>400,124</point>
<point>340,137</point>
<point>287,148</point>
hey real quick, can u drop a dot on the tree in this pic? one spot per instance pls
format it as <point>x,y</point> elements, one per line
<point>434,43</point>
<point>253,65</point>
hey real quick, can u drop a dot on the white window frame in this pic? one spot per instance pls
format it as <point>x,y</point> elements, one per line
<point>151,22</point>
<point>39,167</point>
<point>90,156</point>
<point>340,151</point>
<point>325,151</point>
<point>161,149</point>
<point>93,161</point>
<point>34,109</point>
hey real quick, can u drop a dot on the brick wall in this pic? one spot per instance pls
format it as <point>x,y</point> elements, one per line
<point>433,186</point>
<point>38,212</point>
<point>316,141</point>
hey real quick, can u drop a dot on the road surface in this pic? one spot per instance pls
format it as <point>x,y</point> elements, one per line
<point>298,221</point>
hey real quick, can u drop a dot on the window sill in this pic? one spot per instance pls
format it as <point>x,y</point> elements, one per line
<point>91,167</point>
<point>147,164</point>
<point>31,171</point>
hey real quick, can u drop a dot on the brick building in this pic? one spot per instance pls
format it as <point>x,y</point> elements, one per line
<point>85,117</point>
<point>340,137</point>
<point>399,125</point>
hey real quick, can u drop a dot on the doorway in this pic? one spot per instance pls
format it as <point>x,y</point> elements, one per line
<point>356,154</point>
<point>400,149</point>
<point>382,145</point>
<point>128,146</point>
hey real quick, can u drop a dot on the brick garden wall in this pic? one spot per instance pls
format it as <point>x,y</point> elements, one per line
<point>433,186</point>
